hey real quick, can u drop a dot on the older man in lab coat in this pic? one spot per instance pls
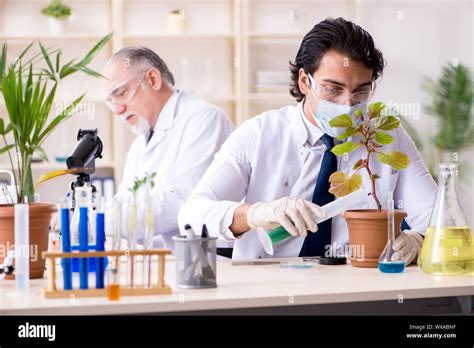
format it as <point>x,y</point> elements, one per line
<point>274,169</point>
<point>177,136</point>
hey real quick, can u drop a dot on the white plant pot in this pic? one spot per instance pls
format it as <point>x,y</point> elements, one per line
<point>57,26</point>
<point>176,23</point>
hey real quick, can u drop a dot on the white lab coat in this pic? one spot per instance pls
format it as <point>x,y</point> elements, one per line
<point>188,133</point>
<point>262,160</point>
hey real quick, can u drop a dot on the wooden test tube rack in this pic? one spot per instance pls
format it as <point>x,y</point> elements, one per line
<point>157,288</point>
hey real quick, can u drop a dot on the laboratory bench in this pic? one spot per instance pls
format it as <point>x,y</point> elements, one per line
<point>268,289</point>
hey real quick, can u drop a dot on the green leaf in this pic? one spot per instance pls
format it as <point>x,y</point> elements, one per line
<point>359,114</point>
<point>58,119</point>
<point>358,165</point>
<point>58,61</point>
<point>92,73</point>
<point>22,54</point>
<point>350,131</point>
<point>340,121</point>
<point>7,148</point>
<point>48,61</point>
<point>375,176</point>
<point>375,109</point>
<point>40,151</point>
<point>396,159</point>
<point>3,63</point>
<point>94,51</point>
<point>343,148</point>
<point>387,123</point>
<point>383,138</point>
<point>342,184</point>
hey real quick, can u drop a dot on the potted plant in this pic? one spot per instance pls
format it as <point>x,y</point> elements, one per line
<point>57,14</point>
<point>29,92</point>
<point>367,228</point>
<point>451,104</point>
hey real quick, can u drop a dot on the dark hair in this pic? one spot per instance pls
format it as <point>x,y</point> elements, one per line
<point>342,36</point>
<point>143,57</point>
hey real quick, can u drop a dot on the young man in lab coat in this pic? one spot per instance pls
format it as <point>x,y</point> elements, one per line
<point>177,136</point>
<point>274,169</point>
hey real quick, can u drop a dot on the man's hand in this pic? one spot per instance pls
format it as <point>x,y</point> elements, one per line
<point>296,215</point>
<point>407,246</point>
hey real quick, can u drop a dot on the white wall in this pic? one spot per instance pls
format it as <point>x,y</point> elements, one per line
<point>417,38</point>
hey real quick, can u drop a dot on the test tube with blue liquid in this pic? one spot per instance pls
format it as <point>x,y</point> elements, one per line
<point>66,243</point>
<point>385,264</point>
<point>100,246</point>
<point>82,197</point>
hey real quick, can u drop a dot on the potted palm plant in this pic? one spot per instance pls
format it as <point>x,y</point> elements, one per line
<point>451,104</point>
<point>58,14</point>
<point>367,228</point>
<point>29,93</point>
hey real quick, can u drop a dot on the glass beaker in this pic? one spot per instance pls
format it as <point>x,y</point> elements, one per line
<point>113,284</point>
<point>385,263</point>
<point>195,262</point>
<point>447,248</point>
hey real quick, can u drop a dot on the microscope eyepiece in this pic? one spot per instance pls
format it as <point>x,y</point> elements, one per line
<point>88,148</point>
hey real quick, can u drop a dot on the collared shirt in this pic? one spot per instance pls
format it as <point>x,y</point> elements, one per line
<point>268,157</point>
<point>150,135</point>
<point>187,134</point>
<point>314,149</point>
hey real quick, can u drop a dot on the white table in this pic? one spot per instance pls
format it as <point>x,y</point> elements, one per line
<point>256,286</point>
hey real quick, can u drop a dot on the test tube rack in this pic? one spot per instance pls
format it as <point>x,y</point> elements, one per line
<point>157,288</point>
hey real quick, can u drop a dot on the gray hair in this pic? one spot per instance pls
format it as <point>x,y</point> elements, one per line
<point>142,58</point>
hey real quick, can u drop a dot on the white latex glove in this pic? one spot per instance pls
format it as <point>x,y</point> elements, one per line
<point>296,215</point>
<point>407,246</point>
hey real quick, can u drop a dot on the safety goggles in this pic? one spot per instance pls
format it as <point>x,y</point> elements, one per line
<point>124,92</point>
<point>337,95</point>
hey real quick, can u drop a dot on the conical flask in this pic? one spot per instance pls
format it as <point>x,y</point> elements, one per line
<point>448,248</point>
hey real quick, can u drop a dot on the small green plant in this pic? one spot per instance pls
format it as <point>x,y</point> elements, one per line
<point>132,220</point>
<point>139,183</point>
<point>372,130</point>
<point>57,10</point>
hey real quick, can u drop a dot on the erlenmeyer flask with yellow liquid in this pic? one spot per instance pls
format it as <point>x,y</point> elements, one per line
<point>448,247</point>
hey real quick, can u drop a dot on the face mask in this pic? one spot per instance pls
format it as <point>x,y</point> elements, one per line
<point>141,127</point>
<point>328,110</point>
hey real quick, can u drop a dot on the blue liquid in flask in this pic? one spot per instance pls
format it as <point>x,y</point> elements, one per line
<point>392,267</point>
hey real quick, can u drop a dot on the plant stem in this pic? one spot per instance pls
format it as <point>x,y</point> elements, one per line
<point>20,175</point>
<point>27,178</point>
<point>367,135</point>
<point>372,181</point>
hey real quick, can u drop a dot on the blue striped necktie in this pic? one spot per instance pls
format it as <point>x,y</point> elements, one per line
<point>315,243</point>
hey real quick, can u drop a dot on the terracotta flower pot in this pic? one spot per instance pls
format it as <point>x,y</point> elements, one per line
<point>40,217</point>
<point>368,234</point>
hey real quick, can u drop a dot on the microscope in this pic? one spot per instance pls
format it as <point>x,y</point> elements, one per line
<point>88,148</point>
